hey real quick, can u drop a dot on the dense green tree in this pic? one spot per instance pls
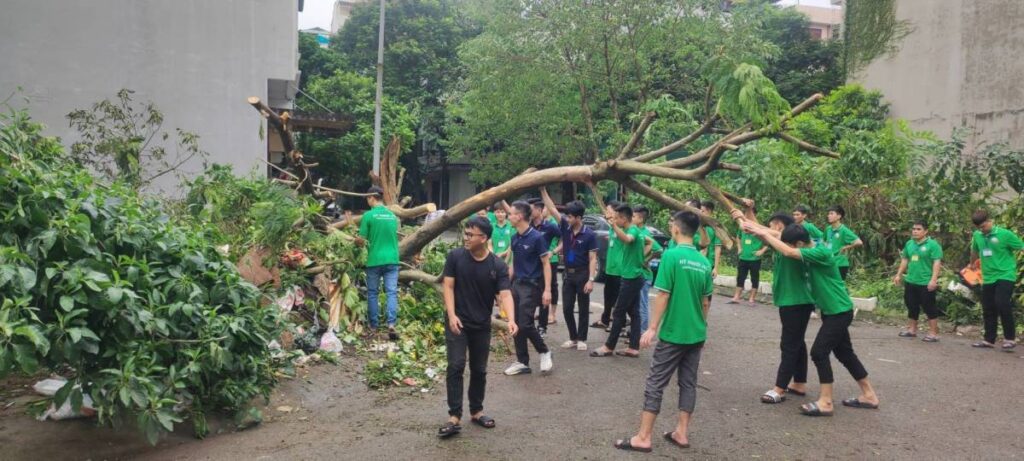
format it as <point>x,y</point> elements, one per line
<point>315,61</point>
<point>804,66</point>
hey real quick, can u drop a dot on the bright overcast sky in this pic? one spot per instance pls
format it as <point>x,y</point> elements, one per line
<point>317,13</point>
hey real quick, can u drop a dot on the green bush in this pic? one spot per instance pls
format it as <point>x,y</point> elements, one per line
<point>155,324</point>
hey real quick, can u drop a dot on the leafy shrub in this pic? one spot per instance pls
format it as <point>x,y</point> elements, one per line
<point>155,324</point>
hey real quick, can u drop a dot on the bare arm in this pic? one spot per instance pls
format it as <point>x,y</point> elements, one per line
<point>448,291</point>
<point>765,235</point>
<point>505,301</point>
<point>856,244</point>
<point>550,204</point>
<point>706,306</point>
<point>900,271</point>
<point>621,234</point>
<point>936,268</point>
<point>546,267</point>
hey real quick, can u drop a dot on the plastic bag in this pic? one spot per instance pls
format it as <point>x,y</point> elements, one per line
<point>49,388</point>
<point>329,342</point>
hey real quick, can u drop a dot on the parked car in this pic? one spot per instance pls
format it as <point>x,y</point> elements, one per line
<point>602,228</point>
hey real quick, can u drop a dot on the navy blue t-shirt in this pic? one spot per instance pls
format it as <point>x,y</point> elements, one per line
<point>577,247</point>
<point>548,229</point>
<point>527,249</point>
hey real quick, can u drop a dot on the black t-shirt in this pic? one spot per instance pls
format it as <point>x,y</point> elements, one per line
<point>476,285</point>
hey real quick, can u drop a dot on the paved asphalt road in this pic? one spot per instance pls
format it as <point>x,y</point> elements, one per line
<point>938,401</point>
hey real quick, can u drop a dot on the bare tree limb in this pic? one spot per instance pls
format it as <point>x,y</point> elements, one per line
<point>672,203</point>
<point>804,145</point>
<point>637,134</point>
<point>658,153</point>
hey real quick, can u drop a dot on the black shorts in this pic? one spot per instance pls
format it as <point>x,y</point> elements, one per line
<point>918,298</point>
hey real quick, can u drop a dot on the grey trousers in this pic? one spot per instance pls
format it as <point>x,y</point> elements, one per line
<point>669,358</point>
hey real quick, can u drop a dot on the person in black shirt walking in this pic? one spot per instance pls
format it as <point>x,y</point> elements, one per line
<point>473,278</point>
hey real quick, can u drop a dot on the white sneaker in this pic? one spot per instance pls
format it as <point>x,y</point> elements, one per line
<point>569,345</point>
<point>517,369</point>
<point>581,346</point>
<point>545,362</point>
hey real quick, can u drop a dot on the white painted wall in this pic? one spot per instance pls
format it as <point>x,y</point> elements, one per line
<point>197,60</point>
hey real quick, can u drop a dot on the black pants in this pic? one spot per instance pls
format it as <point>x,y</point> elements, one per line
<point>628,303</point>
<point>477,342</point>
<point>793,366</point>
<point>751,267</point>
<point>918,297</point>
<point>526,296</point>
<point>834,338</point>
<point>575,280</point>
<point>544,310</point>
<point>611,295</point>
<point>997,304</point>
<point>844,271</point>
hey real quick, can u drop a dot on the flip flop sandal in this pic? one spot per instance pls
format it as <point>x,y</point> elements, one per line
<point>484,421</point>
<point>983,345</point>
<point>673,441</point>
<point>624,444</point>
<point>732,301</point>
<point>856,403</point>
<point>771,397</point>
<point>627,354</point>
<point>598,325</point>
<point>930,339</point>
<point>1008,346</point>
<point>907,334</point>
<point>448,430</point>
<point>795,392</point>
<point>811,409</point>
<point>597,353</point>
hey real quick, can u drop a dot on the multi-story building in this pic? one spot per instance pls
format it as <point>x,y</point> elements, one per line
<point>343,11</point>
<point>196,60</point>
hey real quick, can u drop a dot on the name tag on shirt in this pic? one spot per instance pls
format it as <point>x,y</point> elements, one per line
<point>501,244</point>
<point>915,258</point>
<point>986,252</point>
<point>747,242</point>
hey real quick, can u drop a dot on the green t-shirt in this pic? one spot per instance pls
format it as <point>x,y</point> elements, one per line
<point>379,226</point>
<point>655,249</point>
<point>996,251</point>
<point>712,246</point>
<point>613,258</point>
<point>685,275</point>
<point>749,244</point>
<point>632,254</point>
<point>554,243</point>
<point>838,238</point>
<point>827,286</point>
<point>920,259</point>
<point>789,283</point>
<point>501,237</point>
<point>813,231</point>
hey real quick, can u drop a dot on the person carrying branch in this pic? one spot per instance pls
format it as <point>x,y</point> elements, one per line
<point>921,260</point>
<point>473,278</point>
<point>579,247</point>
<point>996,248</point>
<point>829,293</point>
<point>631,272</point>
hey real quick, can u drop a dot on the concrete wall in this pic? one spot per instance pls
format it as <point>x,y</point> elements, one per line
<point>960,66</point>
<point>197,60</point>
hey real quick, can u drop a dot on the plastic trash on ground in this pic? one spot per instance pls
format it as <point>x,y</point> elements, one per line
<point>329,342</point>
<point>49,388</point>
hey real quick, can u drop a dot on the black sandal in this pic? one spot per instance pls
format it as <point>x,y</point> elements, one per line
<point>624,444</point>
<point>448,430</point>
<point>484,421</point>
<point>673,441</point>
<point>857,403</point>
<point>598,325</point>
<point>812,409</point>
<point>598,353</point>
<point>627,354</point>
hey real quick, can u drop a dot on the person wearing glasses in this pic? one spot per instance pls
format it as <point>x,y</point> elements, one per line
<point>996,247</point>
<point>473,278</point>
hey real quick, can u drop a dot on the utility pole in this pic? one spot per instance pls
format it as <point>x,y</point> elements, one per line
<point>380,93</point>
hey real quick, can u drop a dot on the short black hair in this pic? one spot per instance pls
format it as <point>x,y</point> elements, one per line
<point>624,210</point>
<point>802,209</point>
<point>693,202</point>
<point>575,208</point>
<point>640,209</point>
<point>708,204</point>
<point>785,218</point>
<point>687,221</point>
<point>496,207</point>
<point>614,204</point>
<point>481,224</point>
<point>375,191</point>
<point>536,202</point>
<point>795,233</point>
<point>979,217</point>
<point>838,209</point>
<point>919,222</point>
<point>522,207</point>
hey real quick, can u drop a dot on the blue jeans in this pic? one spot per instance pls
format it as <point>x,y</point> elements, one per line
<point>373,276</point>
<point>645,305</point>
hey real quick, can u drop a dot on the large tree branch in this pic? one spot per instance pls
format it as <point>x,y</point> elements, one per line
<point>672,203</point>
<point>804,145</point>
<point>658,153</point>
